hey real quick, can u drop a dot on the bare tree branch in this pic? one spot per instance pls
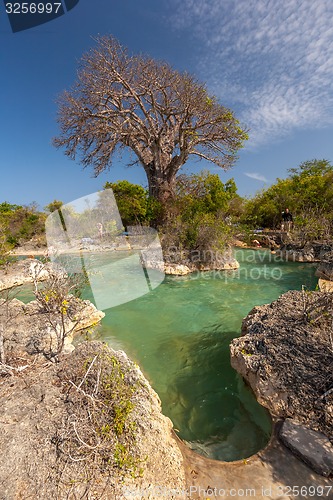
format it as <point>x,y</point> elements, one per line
<point>162,115</point>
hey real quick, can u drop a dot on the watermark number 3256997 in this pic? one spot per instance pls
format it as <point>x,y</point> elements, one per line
<point>29,14</point>
<point>32,8</point>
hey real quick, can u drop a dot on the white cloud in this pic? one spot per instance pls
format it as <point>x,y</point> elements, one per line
<point>270,61</point>
<point>256,176</point>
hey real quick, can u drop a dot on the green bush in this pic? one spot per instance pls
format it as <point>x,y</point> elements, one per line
<point>307,192</point>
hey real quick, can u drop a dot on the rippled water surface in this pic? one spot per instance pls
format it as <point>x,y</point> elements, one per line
<point>180,334</point>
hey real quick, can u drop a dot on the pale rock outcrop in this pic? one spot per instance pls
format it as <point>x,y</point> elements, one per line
<point>308,252</point>
<point>325,285</point>
<point>22,272</point>
<point>27,328</point>
<point>285,356</point>
<point>325,268</point>
<point>176,269</point>
<point>52,449</point>
<point>225,264</point>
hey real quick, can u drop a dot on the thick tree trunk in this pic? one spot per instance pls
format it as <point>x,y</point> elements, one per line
<point>161,189</point>
<point>161,184</point>
<point>161,181</point>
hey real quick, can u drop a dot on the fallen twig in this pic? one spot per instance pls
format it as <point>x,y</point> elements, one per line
<point>81,441</point>
<point>16,369</point>
<point>87,372</point>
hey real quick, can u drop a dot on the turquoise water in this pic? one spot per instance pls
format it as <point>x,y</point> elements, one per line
<point>180,333</point>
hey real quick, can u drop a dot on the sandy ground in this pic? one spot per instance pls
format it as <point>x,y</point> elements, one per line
<point>44,252</point>
<point>272,474</point>
<point>31,253</point>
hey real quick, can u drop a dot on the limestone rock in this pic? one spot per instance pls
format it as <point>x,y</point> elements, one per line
<point>176,269</point>
<point>297,254</point>
<point>88,316</point>
<point>28,329</point>
<point>312,447</point>
<point>268,240</point>
<point>239,243</point>
<point>325,285</point>
<point>308,252</point>
<point>325,268</point>
<point>285,356</point>
<point>223,264</point>
<point>21,272</point>
<point>45,428</point>
<point>182,269</point>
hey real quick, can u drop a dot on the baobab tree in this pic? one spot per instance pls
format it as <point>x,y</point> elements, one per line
<point>162,115</point>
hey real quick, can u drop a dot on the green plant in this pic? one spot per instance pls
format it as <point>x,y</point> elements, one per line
<point>199,228</point>
<point>12,240</point>
<point>307,192</point>
<point>57,298</point>
<point>5,248</point>
<point>121,413</point>
<point>104,428</point>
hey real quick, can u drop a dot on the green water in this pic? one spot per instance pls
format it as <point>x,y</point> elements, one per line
<point>180,333</point>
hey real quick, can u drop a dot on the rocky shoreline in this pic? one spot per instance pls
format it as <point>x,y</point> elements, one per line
<point>22,272</point>
<point>309,252</point>
<point>38,401</point>
<point>226,264</point>
<point>51,452</point>
<point>52,449</point>
<point>285,355</point>
<point>168,266</point>
<point>85,426</point>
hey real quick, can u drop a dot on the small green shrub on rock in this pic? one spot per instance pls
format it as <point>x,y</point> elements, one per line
<point>100,427</point>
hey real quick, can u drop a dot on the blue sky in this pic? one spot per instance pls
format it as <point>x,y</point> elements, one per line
<point>270,62</point>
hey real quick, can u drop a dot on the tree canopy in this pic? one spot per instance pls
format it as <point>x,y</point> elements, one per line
<point>6,207</point>
<point>162,115</point>
<point>53,206</point>
<point>204,193</point>
<point>20,223</point>
<point>307,192</point>
<point>132,201</point>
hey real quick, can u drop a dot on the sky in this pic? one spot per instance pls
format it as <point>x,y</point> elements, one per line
<point>270,62</point>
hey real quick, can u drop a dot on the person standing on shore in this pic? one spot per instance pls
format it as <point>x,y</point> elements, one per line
<point>287,220</point>
<point>100,230</point>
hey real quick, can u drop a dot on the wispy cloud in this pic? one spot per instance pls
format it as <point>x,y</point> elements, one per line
<point>270,61</point>
<point>256,176</point>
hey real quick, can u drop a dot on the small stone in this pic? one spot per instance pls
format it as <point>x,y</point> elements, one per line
<point>313,447</point>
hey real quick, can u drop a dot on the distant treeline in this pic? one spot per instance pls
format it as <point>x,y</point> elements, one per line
<point>203,210</point>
